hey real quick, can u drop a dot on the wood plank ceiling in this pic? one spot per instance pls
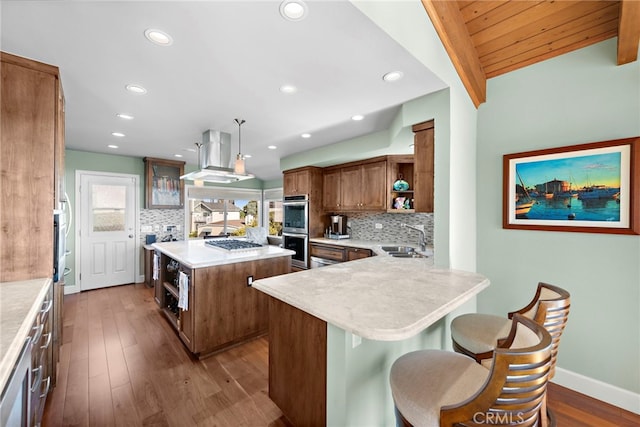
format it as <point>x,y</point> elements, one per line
<point>488,38</point>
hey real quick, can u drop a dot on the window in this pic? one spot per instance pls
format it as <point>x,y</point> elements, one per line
<point>108,207</point>
<point>212,211</point>
<point>273,211</point>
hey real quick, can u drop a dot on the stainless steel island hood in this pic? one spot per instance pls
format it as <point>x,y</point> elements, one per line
<point>214,158</point>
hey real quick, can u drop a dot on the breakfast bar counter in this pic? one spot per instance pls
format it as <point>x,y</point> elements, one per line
<point>378,298</point>
<point>335,331</point>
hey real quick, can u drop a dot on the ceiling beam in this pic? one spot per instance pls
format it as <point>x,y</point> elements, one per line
<point>449,24</point>
<point>628,31</point>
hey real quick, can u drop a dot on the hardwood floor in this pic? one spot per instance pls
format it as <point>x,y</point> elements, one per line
<point>121,364</point>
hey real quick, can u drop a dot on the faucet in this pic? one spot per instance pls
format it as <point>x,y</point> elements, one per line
<point>423,238</point>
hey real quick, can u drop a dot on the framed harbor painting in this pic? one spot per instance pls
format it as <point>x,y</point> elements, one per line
<point>592,188</point>
<point>163,187</point>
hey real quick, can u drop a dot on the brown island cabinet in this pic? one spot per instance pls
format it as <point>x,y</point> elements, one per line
<point>223,308</point>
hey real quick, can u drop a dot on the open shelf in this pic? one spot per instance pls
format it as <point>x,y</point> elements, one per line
<point>172,289</point>
<point>172,317</point>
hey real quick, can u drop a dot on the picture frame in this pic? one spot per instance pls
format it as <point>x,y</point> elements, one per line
<point>163,187</point>
<point>589,188</point>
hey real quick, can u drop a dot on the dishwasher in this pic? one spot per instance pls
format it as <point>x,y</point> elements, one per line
<point>317,262</point>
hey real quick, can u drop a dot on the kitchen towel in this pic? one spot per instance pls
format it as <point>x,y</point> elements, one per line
<point>156,266</point>
<point>183,288</point>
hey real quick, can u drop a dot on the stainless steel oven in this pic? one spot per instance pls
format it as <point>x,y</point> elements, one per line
<point>300,244</point>
<point>296,214</point>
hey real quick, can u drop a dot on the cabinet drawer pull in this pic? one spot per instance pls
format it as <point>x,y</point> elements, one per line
<point>46,306</point>
<point>37,374</point>
<point>38,333</point>
<point>46,346</point>
<point>46,390</point>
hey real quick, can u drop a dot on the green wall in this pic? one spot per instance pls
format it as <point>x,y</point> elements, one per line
<point>576,98</point>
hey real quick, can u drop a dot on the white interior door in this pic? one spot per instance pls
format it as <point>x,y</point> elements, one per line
<point>107,232</point>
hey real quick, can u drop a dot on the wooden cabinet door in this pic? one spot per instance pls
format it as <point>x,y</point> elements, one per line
<point>58,168</point>
<point>296,183</point>
<point>27,131</point>
<point>424,166</point>
<point>289,183</point>
<point>373,194</point>
<point>302,182</point>
<point>351,188</point>
<point>331,189</point>
<point>357,253</point>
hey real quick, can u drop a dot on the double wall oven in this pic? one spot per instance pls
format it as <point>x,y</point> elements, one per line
<point>295,228</point>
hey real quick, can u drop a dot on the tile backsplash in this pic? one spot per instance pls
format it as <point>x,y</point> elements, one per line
<point>157,219</point>
<point>363,226</point>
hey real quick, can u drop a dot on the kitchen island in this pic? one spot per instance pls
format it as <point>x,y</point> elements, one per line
<point>335,331</point>
<point>218,307</point>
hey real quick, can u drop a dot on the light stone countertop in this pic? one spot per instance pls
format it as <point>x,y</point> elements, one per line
<point>20,302</point>
<point>195,254</point>
<point>379,298</point>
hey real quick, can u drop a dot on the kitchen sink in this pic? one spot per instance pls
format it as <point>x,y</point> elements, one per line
<point>402,252</point>
<point>399,249</point>
<point>406,255</point>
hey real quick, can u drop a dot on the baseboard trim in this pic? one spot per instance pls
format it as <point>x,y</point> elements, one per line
<point>74,289</point>
<point>613,395</point>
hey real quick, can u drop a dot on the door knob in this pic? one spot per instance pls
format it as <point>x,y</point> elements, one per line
<point>131,236</point>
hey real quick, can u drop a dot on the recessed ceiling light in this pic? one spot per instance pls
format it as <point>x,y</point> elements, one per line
<point>246,156</point>
<point>306,135</point>
<point>357,117</point>
<point>118,134</point>
<point>393,76</point>
<point>272,147</point>
<point>135,88</point>
<point>293,10</point>
<point>112,146</point>
<point>124,116</point>
<point>158,37</point>
<point>191,150</point>
<point>288,89</point>
<point>177,155</point>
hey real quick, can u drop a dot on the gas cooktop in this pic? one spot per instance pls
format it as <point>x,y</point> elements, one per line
<point>231,244</point>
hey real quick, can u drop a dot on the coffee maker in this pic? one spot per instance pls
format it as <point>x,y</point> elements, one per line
<point>338,226</point>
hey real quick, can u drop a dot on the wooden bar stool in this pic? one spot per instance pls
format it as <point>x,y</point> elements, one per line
<point>442,388</point>
<point>476,334</point>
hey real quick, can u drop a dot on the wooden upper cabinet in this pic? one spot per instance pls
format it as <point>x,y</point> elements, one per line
<point>351,188</point>
<point>356,186</point>
<point>302,181</point>
<point>373,194</point>
<point>424,166</point>
<point>331,189</point>
<point>364,186</point>
<point>31,133</point>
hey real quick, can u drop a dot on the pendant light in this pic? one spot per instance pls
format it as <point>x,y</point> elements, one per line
<point>239,167</point>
